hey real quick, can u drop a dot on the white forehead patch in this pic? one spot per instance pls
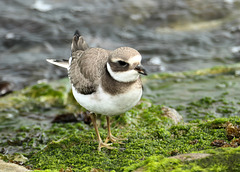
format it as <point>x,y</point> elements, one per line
<point>131,60</point>
<point>135,59</point>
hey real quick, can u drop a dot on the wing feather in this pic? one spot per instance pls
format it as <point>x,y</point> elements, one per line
<point>87,68</point>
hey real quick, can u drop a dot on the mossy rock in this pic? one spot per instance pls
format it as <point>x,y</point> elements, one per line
<point>152,137</point>
<point>148,146</point>
<point>224,159</point>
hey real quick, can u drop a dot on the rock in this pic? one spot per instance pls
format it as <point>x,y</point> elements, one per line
<point>172,113</point>
<point>5,88</point>
<point>71,117</point>
<point>10,167</point>
<point>191,156</point>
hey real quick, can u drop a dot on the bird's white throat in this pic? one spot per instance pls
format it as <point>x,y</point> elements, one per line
<point>123,76</point>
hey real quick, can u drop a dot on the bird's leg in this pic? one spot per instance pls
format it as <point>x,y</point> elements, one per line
<point>100,142</point>
<point>110,137</point>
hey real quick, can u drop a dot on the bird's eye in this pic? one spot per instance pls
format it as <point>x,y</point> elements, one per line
<point>122,63</point>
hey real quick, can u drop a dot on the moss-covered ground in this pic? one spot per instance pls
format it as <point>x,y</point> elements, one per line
<point>222,159</point>
<point>212,122</point>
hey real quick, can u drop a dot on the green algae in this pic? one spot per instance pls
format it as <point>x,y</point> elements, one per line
<point>32,101</point>
<point>210,108</point>
<point>152,138</point>
<point>79,150</point>
<point>222,159</point>
<point>203,94</point>
<point>224,69</point>
<point>154,163</point>
<point>37,96</point>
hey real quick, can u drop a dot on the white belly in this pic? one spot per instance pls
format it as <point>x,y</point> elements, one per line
<point>106,104</point>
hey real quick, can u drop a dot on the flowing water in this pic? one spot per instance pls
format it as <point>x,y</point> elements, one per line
<point>171,35</point>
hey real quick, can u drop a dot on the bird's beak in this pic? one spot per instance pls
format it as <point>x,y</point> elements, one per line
<point>141,70</point>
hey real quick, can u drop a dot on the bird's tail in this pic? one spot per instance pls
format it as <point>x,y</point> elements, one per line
<point>62,63</point>
<point>78,43</point>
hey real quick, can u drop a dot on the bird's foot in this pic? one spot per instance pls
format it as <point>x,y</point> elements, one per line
<point>114,139</point>
<point>105,145</point>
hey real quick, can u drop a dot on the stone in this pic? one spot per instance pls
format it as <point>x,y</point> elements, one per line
<point>10,167</point>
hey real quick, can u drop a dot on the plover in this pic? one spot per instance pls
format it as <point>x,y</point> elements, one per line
<point>104,82</point>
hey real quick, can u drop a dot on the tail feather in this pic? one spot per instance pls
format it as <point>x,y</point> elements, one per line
<point>78,43</point>
<point>62,63</point>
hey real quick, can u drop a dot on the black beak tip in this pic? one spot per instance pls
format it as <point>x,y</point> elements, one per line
<point>141,70</point>
<point>144,73</point>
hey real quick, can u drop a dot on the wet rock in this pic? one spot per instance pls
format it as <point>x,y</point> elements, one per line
<point>64,118</point>
<point>70,117</point>
<point>12,39</point>
<point>5,88</point>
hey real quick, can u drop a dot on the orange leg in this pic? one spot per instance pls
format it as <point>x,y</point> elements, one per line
<point>110,137</point>
<point>101,144</point>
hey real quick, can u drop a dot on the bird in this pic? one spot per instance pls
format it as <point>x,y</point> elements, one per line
<point>105,82</point>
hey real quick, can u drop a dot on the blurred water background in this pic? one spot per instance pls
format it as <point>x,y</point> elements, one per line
<point>174,35</point>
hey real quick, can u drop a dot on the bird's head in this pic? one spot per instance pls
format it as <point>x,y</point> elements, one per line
<point>124,64</point>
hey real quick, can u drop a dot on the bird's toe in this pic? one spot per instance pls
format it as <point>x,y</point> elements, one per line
<point>105,145</point>
<point>114,139</point>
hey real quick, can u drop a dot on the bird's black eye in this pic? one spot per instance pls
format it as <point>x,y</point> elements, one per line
<point>122,63</point>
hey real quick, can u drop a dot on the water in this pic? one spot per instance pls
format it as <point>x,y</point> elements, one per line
<point>172,36</point>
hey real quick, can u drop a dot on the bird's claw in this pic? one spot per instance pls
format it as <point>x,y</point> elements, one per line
<point>105,145</point>
<point>114,139</point>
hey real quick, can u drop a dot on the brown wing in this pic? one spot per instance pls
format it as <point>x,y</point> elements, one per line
<point>87,68</point>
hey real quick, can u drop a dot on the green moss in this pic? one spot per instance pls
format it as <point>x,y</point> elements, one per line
<point>209,108</point>
<point>34,97</point>
<point>152,138</point>
<point>78,149</point>
<point>226,69</point>
<point>225,159</point>
<point>154,163</point>
<point>202,94</point>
